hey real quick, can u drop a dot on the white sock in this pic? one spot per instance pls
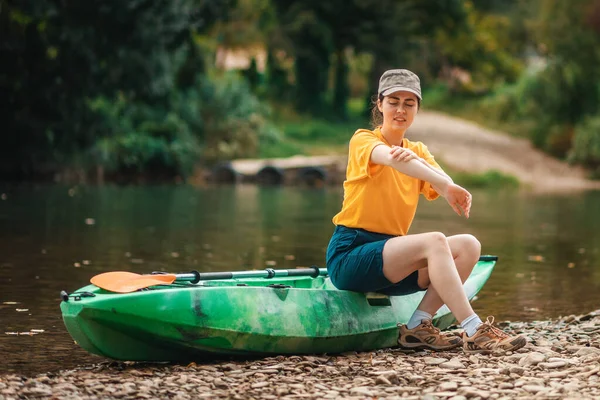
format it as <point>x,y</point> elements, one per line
<point>416,319</point>
<point>470,324</point>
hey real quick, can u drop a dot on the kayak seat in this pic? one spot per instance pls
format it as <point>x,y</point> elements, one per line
<point>378,299</point>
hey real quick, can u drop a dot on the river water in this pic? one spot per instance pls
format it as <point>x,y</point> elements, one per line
<point>55,238</point>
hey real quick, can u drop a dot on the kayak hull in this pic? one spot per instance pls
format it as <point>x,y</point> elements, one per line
<point>295,315</point>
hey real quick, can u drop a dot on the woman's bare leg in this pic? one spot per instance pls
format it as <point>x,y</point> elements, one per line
<point>466,251</point>
<point>405,254</point>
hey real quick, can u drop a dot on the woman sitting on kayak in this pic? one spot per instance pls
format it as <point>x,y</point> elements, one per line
<point>371,251</point>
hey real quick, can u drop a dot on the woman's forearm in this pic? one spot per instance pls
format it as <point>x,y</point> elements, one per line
<point>414,168</point>
<point>436,170</point>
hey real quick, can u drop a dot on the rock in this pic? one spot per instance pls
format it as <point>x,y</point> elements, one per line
<point>382,380</point>
<point>560,363</point>
<point>532,359</point>
<point>558,374</point>
<point>585,351</point>
<point>517,370</point>
<point>543,343</point>
<point>470,392</point>
<point>534,388</point>
<point>552,365</point>
<point>448,386</point>
<point>452,364</point>
<point>434,360</point>
<point>363,390</point>
<point>220,384</point>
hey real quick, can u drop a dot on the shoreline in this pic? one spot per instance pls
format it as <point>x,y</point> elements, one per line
<point>561,360</point>
<point>469,147</point>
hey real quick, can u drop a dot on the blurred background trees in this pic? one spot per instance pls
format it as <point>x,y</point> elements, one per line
<point>154,88</point>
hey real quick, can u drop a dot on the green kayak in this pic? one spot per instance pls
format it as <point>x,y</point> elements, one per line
<point>250,316</point>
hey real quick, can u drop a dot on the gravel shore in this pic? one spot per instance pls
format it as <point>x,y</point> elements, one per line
<point>561,361</point>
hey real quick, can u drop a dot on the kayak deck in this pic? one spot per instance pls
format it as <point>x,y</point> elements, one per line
<point>252,316</point>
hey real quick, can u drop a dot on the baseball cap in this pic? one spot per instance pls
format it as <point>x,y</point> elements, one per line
<point>394,80</point>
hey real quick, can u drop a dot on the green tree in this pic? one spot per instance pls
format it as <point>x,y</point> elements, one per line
<point>303,22</point>
<point>567,90</point>
<point>483,47</point>
<point>58,56</point>
<point>389,30</point>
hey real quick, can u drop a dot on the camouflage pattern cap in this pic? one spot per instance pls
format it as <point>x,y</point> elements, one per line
<point>394,80</point>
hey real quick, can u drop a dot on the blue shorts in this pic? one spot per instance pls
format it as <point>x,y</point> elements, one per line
<point>355,262</point>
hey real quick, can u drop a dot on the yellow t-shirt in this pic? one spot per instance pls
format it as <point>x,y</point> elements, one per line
<point>378,198</point>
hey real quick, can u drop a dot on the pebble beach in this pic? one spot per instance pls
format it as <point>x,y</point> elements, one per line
<point>560,361</point>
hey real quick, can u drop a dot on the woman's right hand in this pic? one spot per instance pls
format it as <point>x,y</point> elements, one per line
<point>402,154</point>
<point>459,199</point>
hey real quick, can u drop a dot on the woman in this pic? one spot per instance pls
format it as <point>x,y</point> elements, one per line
<point>370,249</point>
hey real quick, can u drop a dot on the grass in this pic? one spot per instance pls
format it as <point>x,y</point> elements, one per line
<point>308,135</point>
<point>489,180</point>
<point>311,137</point>
<point>473,108</point>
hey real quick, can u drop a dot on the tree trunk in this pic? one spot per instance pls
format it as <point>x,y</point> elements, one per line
<point>341,90</point>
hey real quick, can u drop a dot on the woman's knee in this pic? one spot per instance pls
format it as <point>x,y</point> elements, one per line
<point>471,245</point>
<point>437,241</point>
<point>465,246</point>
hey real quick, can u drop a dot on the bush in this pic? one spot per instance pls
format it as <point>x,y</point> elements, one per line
<point>235,122</point>
<point>586,144</point>
<point>139,138</point>
<point>490,179</point>
<point>216,119</point>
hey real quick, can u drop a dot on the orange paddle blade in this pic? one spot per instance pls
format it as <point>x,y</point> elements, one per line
<point>127,282</point>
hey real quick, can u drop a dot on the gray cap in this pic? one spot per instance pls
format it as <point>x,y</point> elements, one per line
<point>394,80</point>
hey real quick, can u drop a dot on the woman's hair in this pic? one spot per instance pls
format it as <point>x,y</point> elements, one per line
<point>377,116</point>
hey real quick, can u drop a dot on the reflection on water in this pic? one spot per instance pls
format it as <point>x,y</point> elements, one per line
<point>56,238</point>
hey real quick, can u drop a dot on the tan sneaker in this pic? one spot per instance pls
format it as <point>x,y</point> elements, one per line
<point>427,336</point>
<point>489,339</point>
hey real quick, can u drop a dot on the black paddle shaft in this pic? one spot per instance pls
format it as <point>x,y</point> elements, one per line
<point>314,271</point>
<point>195,276</point>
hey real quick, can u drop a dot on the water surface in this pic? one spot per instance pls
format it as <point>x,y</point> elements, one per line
<point>55,238</point>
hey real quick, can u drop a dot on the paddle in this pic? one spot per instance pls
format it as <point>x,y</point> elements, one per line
<point>127,282</point>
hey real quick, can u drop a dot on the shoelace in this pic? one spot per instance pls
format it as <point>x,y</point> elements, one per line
<point>429,325</point>
<point>488,325</point>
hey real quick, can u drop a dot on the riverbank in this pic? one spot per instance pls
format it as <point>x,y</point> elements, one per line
<point>561,361</point>
<point>468,147</point>
<point>473,155</point>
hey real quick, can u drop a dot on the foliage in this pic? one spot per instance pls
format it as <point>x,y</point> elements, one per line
<point>483,50</point>
<point>218,118</point>
<point>304,23</point>
<point>249,24</point>
<point>324,132</point>
<point>320,37</point>
<point>490,179</point>
<point>132,85</point>
<point>566,90</point>
<point>139,138</point>
<point>58,55</point>
<point>586,144</point>
<point>235,122</point>
<point>556,99</point>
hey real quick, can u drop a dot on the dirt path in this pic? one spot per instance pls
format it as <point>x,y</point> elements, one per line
<point>469,147</point>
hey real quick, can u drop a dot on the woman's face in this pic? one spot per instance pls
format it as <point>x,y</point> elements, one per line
<point>399,110</point>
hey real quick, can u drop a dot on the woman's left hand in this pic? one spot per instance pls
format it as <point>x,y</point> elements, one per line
<point>459,199</point>
<point>403,154</point>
